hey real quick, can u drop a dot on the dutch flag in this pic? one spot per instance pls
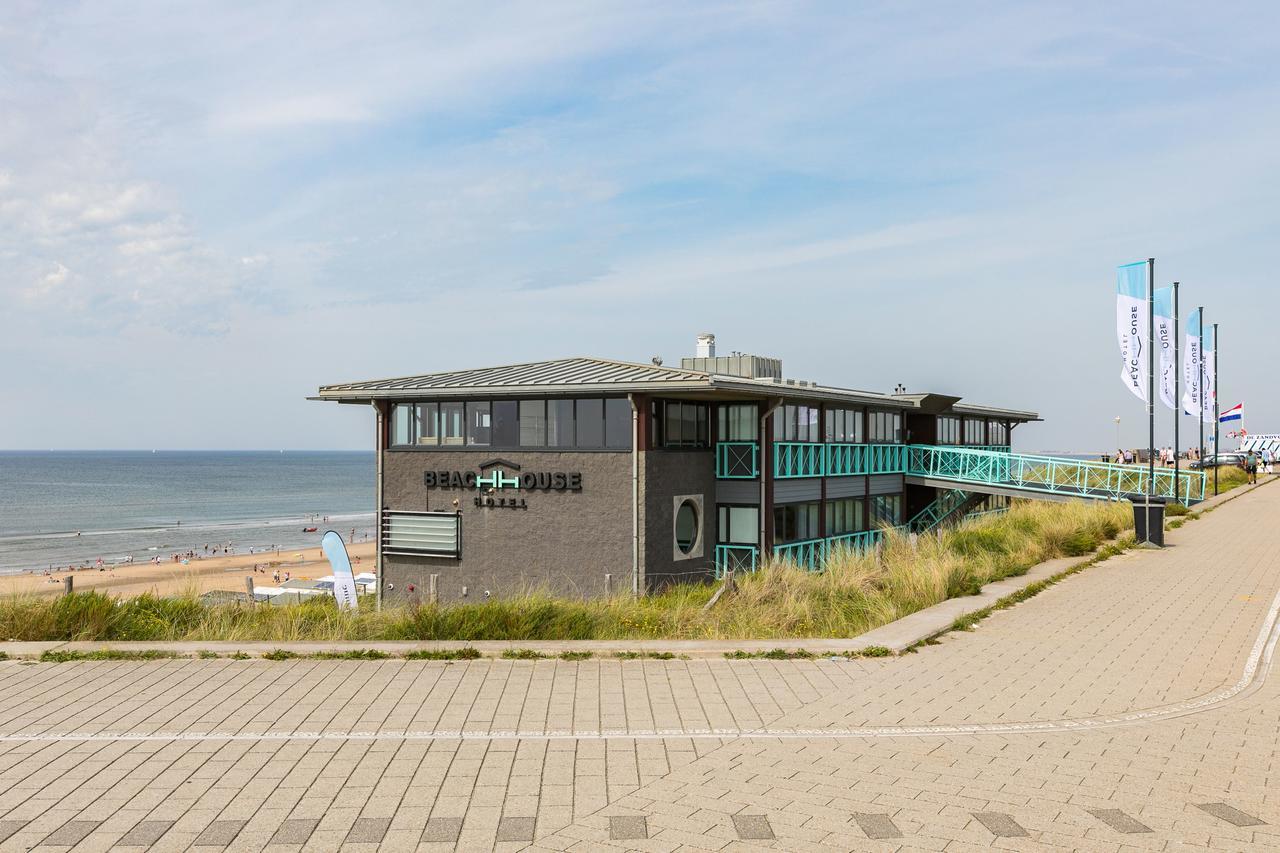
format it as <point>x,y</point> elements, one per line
<point>1235,413</point>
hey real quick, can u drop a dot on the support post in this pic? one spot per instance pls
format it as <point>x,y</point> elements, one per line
<point>1177,395</point>
<point>433,589</point>
<point>1216,451</point>
<point>608,585</point>
<point>1200,387</point>
<point>1151,388</point>
<point>68,585</point>
<point>248,588</point>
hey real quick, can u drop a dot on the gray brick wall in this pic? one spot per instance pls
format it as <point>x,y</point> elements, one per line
<point>564,542</point>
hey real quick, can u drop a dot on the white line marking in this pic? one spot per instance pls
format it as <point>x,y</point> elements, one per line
<point>1256,669</point>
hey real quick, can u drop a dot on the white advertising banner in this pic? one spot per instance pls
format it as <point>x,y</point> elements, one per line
<point>1131,326</point>
<point>1166,364</point>
<point>344,583</point>
<point>1191,365</point>
<point>1210,392</point>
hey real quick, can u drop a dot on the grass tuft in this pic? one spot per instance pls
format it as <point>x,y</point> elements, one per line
<point>523,654</point>
<point>466,653</point>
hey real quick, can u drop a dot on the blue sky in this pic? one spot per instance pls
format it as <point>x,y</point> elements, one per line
<point>206,212</point>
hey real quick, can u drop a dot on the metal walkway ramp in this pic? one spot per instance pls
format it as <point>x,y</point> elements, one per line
<point>1044,477</point>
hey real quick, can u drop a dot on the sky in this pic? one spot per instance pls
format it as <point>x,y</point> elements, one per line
<point>209,210</point>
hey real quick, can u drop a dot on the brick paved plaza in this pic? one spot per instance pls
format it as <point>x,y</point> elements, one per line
<point>1127,708</point>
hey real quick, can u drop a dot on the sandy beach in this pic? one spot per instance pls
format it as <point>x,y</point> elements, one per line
<point>197,576</point>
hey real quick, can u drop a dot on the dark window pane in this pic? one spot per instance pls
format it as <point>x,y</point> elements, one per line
<point>506,427</point>
<point>401,424</point>
<point>688,424</point>
<point>590,422</point>
<point>560,423</point>
<point>479,423</point>
<point>617,423</point>
<point>533,423</point>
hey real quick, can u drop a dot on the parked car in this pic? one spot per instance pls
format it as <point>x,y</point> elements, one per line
<point>1213,460</point>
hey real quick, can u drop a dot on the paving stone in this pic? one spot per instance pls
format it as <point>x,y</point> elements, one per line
<point>296,830</point>
<point>877,826</point>
<point>627,827</point>
<point>370,830</point>
<point>753,827</point>
<point>516,829</point>
<point>220,833</point>
<point>442,829</point>
<point>1000,824</point>
<point>1119,821</point>
<point>9,827</point>
<point>1230,814</point>
<point>145,833</point>
<point>71,833</point>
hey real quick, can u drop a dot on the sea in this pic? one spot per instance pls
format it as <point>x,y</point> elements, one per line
<point>64,508</point>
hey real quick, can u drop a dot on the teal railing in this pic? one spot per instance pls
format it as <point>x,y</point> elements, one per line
<point>1052,475</point>
<point>810,459</point>
<point>737,460</point>
<point>942,507</point>
<point>740,558</point>
<point>799,459</point>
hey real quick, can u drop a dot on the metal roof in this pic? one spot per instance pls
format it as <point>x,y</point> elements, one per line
<point>580,375</point>
<point>533,374</point>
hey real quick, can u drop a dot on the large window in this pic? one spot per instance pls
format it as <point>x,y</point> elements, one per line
<point>948,429</point>
<point>997,432</point>
<point>738,525</point>
<point>885,427</point>
<point>795,522</point>
<point>589,418</point>
<point>533,423</point>
<point>738,422</point>
<point>844,426</point>
<point>886,510</point>
<point>617,423</point>
<point>975,431</point>
<point>844,516</point>
<point>589,423</point>
<point>681,423</point>
<point>796,423</point>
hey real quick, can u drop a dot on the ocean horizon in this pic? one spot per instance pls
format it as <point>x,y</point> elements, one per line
<point>74,507</point>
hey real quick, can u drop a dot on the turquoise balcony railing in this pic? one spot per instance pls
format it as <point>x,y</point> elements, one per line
<point>737,460</point>
<point>798,459</point>
<point>740,558</point>
<point>807,553</point>
<point>807,459</point>
<point>1051,475</point>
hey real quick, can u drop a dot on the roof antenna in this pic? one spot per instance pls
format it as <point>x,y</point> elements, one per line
<point>657,360</point>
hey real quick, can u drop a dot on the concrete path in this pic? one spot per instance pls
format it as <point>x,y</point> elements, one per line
<point>1127,708</point>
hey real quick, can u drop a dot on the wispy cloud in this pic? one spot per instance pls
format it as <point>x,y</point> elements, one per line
<point>875,192</point>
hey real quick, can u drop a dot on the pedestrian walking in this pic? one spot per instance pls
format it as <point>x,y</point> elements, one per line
<point>1251,466</point>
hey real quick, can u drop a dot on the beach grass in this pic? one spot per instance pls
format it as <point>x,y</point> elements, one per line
<point>855,593</point>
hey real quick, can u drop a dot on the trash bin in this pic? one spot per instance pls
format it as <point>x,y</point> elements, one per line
<point>1152,507</point>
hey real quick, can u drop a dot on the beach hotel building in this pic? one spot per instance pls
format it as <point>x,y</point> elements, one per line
<point>583,476</point>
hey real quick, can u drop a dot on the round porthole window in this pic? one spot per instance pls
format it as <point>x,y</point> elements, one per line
<point>686,526</point>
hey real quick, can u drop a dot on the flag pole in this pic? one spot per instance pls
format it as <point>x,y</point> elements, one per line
<point>1200,387</point>
<point>1177,394</point>
<point>1151,388</point>
<point>1216,451</point>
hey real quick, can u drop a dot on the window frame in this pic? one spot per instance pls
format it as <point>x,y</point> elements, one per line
<point>469,414</point>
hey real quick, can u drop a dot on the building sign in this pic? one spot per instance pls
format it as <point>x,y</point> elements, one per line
<point>505,477</point>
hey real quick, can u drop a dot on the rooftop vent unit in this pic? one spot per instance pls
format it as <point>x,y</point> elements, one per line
<point>736,364</point>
